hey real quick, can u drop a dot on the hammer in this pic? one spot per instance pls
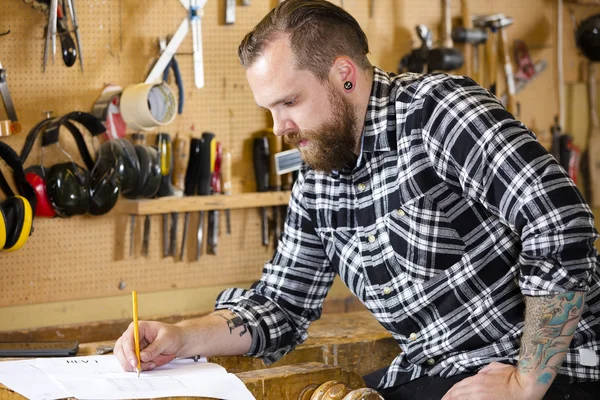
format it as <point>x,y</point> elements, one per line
<point>498,23</point>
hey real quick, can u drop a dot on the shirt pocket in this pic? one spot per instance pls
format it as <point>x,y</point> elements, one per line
<point>423,239</point>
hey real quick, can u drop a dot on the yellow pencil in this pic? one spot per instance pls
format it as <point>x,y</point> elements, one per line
<point>136,331</point>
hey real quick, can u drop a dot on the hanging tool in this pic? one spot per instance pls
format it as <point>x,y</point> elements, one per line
<point>10,126</point>
<point>195,10</point>
<point>447,24</point>
<point>56,10</point>
<point>468,25</point>
<point>181,157</point>
<point>490,22</point>
<point>212,240</point>
<point>69,52</point>
<point>192,177</point>
<point>262,158</point>
<point>275,147</point>
<point>206,165</point>
<point>230,12</point>
<point>174,65</point>
<point>166,189</point>
<point>226,184</point>
<point>471,37</point>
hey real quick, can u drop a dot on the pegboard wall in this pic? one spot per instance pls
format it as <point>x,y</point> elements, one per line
<point>87,257</point>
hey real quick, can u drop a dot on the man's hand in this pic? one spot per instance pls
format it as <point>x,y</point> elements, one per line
<point>495,381</point>
<point>159,344</point>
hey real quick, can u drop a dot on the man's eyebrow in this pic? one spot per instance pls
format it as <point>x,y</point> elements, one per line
<point>281,100</point>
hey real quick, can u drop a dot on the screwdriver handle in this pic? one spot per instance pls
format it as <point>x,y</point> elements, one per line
<point>192,174</point>
<point>226,172</point>
<point>206,163</point>
<point>261,159</point>
<point>165,157</point>
<point>216,174</point>
<point>181,155</point>
<point>286,179</point>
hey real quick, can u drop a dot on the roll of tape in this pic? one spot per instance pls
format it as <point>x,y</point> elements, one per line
<point>145,106</point>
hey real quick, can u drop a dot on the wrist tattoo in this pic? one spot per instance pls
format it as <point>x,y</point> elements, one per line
<point>233,321</point>
<point>550,323</point>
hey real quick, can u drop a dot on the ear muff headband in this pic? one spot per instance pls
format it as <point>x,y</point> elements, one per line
<point>26,222</point>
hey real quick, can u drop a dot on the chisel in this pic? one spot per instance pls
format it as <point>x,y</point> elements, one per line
<point>213,215</point>
<point>192,176</point>
<point>226,184</point>
<point>206,163</point>
<point>181,156</point>
<point>166,167</point>
<point>261,158</point>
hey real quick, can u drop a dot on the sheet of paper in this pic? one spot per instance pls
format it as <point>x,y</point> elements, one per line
<point>19,376</point>
<point>101,377</point>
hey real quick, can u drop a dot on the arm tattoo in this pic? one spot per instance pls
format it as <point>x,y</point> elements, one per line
<point>233,321</point>
<point>550,323</point>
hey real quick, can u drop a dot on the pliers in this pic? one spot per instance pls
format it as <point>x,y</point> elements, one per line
<point>175,67</point>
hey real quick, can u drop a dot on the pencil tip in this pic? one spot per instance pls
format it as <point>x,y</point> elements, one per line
<point>138,372</point>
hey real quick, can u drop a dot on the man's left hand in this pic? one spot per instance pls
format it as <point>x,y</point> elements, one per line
<point>495,381</point>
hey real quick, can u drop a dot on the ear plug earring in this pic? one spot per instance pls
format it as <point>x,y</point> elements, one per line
<point>347,85</point>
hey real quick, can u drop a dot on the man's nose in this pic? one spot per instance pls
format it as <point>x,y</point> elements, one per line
<point>278,126</point>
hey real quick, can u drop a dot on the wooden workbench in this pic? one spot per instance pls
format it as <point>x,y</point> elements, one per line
<point>340,347</point>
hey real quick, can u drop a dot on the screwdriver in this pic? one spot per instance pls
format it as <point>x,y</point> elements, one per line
<point>181,156</point>
<point>226,184</point>
<point>275,144</point>
<point>192,176</point>
<point>137,138</point>
<point>206,163</point>
<point>261,159</point>
<point>165,189</point>
<point>213,215</point>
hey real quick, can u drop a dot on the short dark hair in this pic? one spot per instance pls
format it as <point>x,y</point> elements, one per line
<point>319,31</point>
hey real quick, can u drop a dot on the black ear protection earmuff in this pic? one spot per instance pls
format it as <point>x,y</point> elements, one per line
<point>149,176</point>
<point>71,188</point>
<point>16,212</point>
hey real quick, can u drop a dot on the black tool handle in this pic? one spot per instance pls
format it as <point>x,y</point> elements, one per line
<point>192,175</point>
<point>262,163</point>
<point>206,164</point>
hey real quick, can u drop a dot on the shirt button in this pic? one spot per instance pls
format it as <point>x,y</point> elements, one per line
<point>401,212</point>
<point>387,290</point>
<point>413,336</point>
<point>361,186</point>
<point>371,238</point>
<point>431,361</point>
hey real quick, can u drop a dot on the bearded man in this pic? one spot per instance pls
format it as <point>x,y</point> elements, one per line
<point>437,208</point>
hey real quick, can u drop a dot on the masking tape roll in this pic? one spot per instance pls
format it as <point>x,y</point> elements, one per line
<point>145,106</point>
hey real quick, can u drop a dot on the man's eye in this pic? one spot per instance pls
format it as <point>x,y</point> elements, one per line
<point>289,103</point>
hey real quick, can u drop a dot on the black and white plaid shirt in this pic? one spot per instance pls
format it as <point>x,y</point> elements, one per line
<point>452,213</point>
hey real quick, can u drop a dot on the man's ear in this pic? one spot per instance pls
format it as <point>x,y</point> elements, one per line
<point>344,71</point>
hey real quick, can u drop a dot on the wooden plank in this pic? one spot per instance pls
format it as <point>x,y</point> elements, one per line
<point>170,204</point>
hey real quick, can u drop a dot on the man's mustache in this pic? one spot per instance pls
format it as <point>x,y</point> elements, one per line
<point>293,138</point>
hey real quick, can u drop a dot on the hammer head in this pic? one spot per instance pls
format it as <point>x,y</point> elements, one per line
<point>493,22</point>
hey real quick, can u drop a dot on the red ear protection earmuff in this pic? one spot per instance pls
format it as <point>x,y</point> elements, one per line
<point>35,174</point>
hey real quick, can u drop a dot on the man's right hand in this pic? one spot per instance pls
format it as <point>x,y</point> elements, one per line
<point>159,344</point>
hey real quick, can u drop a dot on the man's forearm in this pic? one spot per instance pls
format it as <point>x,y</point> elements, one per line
<point>221,333</point>
<point>550,322</point>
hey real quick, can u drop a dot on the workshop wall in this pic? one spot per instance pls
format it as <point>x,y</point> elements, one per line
<point>79,269</point>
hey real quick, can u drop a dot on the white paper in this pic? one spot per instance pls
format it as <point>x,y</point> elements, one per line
<point>101,377</point>
<point>19,376</point>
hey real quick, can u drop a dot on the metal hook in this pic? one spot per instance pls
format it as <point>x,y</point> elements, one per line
<point>5,33</point>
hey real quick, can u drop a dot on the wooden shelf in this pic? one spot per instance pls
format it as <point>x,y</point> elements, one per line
<point>165,205</point>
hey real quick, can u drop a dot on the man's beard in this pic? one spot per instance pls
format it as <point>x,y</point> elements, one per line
<point>331,145</point>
